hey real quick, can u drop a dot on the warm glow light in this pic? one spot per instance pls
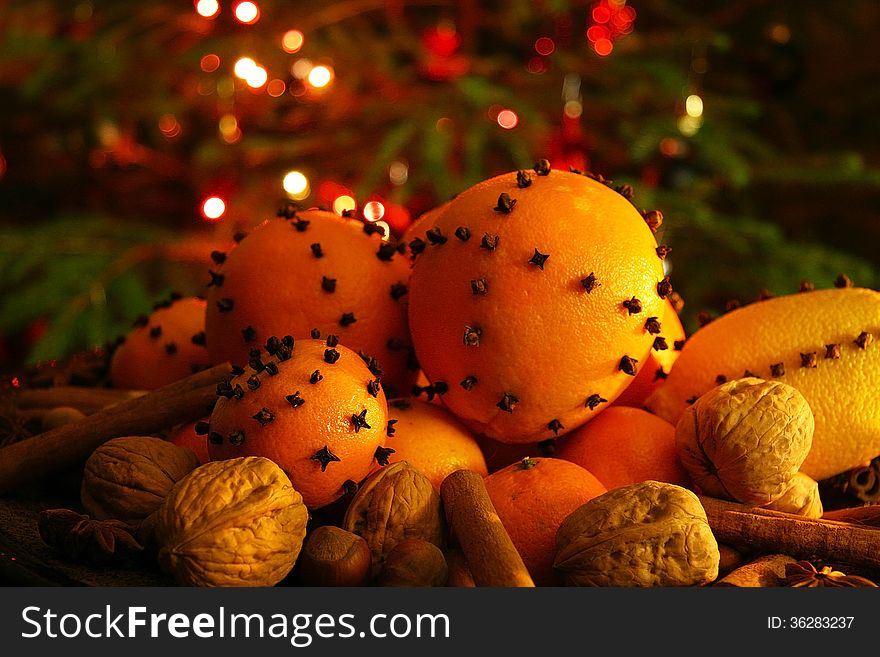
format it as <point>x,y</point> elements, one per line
<point>507,119</point>
<point>545,46</point>
<point>386,230</point>
<point>301,68</point>
<point>226,87</point>
<point>292,41</point>
<point>228,124</point>
<point>780,33</point>
<point>601,14</point>
<point>373,211</point>
<point>213,208</point>
<point>671,147</point>
<point>257,77</point>
<point>537,65</point>
<point>169,126</point>
<point>596,32</point>
<point>207,8</point>
<point>247,12</point>
<point>295,183</point>
<point>320,76</point>
<point>398,173</point>
<point>603,47</point>
<point>573,109</point>
<point>343,203</point>
<point>689,125</point>
<point>693,105</point>
<point>276,88</point>
<point>209,63</point>
<point>243,67</point>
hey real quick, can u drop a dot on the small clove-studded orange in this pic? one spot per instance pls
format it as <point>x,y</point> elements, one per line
<point>313,407</point>
<point>532,498</point>
<point>536,321</point>
<point>313,270</point>
<point>164,347</point>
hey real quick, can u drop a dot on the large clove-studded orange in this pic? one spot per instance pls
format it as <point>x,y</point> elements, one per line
<point>313,407</point>
<point>531,321</point>
<point>668,334</point>
<point>313,270</point>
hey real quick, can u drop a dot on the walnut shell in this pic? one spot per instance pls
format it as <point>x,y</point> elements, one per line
<point>237,522</point>
<point>801,498</point>
<point>644,534</point>
<point>745,439</point>
<point>392,504</point>
<point>128,478</point>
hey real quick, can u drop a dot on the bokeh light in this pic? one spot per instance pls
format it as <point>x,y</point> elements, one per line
<point>545,46</point>
<point>320,76</point>
<point>296,184</point>
<point>243,67</point>
<point>292,41</point>
<point>373,211</point>
<point>247,12</point>
<point>229,130</point>
<point>603,47</point>
<point>209,63</point>
<point>213,208</point>
<point>386,230</point>
<point>507,119</point>
<point>169,126</point>
<point>343,203</point>
<point>601,14</point>
<point>693,105</point>
<point>301,68</point>
<point>207,8</point>
<point>257,77</point>
<point>276,88</point>
<point>573,109</point>
<point>689,125</point>
<point>398,173</point>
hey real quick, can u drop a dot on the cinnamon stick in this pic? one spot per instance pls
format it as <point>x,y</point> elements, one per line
<point>785,533</point>
<point>490,554</point>
<point>868,516</point>
<point>85,399</point>
<point>48,453</point>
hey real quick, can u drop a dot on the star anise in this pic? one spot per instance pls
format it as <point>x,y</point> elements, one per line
<point>803,574</point>
<point>82,539</point>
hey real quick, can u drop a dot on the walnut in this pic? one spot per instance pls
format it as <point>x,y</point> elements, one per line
<point>645,534</point>
<point>128,478</point>
<point>801,498</point>
<point>745,439</point>
<point>231,523</point>
<point>392,504</point>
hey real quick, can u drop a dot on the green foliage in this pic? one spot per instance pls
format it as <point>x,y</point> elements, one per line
<point>87,276</point>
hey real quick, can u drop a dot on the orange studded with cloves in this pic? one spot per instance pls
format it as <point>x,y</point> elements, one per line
<point>543,308</point>
<point>311,406</point>
<point>313,269</point>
